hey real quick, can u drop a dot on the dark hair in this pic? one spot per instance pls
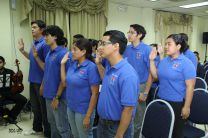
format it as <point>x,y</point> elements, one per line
<point>178,39</point>
<point>41,24</point>
<point>117,37</point>
<point>65,42</point>
<point>184,36</point>
<point>139,29</point>
<point>84,44</point>
<point>197,54</point>
<point>94,43</point>
<point>154,45</point>
<point>54,30</point>
<point>2,59</point>
<point>78,36</point>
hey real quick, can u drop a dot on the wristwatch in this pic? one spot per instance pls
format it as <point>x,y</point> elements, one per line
<point>145,94</point>
<point>57,97</point>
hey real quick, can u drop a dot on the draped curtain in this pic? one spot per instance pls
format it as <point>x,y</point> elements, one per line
<point>167,23</point>
<point>87,17</point>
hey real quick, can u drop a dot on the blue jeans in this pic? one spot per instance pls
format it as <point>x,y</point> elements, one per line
<point>76,123</point>
<point>108,129</point>
<point>58,120</point>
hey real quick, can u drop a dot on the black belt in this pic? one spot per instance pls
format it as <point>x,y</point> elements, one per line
<point>105,121</point>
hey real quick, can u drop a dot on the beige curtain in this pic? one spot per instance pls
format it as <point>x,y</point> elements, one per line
<point>87,17</point>
<point>90,25</point>
<point>167,23</point>
<point>58,17</point>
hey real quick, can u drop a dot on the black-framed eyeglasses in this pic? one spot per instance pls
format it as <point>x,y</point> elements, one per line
<point>104,43</point>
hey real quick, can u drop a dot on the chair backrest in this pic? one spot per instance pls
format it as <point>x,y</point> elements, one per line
<point>155,92</point>
<point>206,76</point>
<point>158,120</point>
<point>206,67</point>
<point>199,110</point>
<point>200,83</point>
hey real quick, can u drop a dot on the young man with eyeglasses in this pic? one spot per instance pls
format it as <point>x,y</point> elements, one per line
<point>137,54</point>
<point>36,68</point>
<point>117,101</point>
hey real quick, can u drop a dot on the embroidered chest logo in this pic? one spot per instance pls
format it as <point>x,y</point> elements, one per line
<point>113,78</point>
<point>53,57</point>
<point>81,72</point>
<point>176,65</point>
<point>138,55</point>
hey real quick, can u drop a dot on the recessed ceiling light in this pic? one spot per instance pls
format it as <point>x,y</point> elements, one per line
<point>154,0</point>
<point>194,5</point>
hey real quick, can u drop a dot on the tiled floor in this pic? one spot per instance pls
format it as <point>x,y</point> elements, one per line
<point>11,131</point>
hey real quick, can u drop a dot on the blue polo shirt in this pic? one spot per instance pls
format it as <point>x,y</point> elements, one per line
<point>35,72</point>
<point>191,56</point>
<point>79,80</point>
<point>172,74</point>
<point>119,89</point>
<point>138,57</point>
<point>52,72</point>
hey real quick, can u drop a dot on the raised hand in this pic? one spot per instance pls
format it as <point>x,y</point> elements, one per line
<point>160,49</point>
<point>65,58</point>
<point>153,54</point>
<point>21,45</point>
<point>98,58</point>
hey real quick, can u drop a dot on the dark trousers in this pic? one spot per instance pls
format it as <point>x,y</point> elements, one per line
<point>19,101</point>
<point>39,110</point>
<point>179,122</point>
<point>151,95</point>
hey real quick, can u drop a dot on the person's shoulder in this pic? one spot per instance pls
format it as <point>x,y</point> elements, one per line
<point>186,61</point>
<point>9,70</point>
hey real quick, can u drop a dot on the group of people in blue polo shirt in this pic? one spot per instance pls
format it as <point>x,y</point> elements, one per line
<point>67,82</point>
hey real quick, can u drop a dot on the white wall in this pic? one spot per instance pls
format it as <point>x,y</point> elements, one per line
<point>5,37</point>
<point>9,42</point>
<point>122,19</point>
<point>200,25</point>
<point>118,19</point>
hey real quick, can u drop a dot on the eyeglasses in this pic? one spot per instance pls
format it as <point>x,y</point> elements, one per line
<point>130,32</point>
<point>104,43</point>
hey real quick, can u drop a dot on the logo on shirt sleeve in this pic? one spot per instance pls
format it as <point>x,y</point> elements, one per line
<point>113,78</point>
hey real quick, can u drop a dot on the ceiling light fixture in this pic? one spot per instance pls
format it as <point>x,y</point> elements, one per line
<point>153,0</point>
<point>194,5</point>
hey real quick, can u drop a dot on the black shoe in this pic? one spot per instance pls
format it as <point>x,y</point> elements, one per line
<point>9,119</point>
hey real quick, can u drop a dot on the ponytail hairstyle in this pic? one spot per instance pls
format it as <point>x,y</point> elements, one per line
<point>178,39</point>
<point>84,44</point>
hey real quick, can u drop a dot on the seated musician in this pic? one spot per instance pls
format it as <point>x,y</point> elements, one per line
<point>6,94</point>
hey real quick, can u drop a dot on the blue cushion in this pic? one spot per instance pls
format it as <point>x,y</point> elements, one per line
<point>157,121</point>
<point>192,132</point>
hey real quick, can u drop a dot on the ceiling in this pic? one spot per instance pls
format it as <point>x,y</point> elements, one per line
<point>168,5</point>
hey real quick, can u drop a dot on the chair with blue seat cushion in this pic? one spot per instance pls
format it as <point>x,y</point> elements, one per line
<point>200,83</point>
<point>158,120</point>
<point>198,114</point>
